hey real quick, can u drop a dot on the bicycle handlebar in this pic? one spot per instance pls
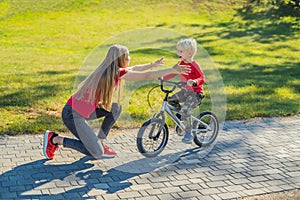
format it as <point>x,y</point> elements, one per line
<point>176,84</point>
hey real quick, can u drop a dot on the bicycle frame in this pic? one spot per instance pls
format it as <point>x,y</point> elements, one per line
<point>168,109</point>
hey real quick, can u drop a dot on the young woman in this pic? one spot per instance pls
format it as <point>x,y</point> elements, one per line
<point>93,100</point>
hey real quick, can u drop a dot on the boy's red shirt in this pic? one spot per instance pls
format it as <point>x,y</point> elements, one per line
<point>84,108</point>
<point>195,74</point>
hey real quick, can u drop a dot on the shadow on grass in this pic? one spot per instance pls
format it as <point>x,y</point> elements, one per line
<point>262,91</point>
<point>28,96</point>
<point>274,10</point>
<point>24,103</point>
<point>39,87</point>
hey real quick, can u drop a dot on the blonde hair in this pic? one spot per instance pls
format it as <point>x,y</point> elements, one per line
<point>189,44</point>
<point>101,83</point>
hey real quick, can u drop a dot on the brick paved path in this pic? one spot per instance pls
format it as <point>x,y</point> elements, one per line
<point>249,158</point>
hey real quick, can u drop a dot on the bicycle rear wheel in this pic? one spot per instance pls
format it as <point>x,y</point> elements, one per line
<point>152,137</point>
<point>205,128</point>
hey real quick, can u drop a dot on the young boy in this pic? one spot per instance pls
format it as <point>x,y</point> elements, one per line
<point>192,94</point>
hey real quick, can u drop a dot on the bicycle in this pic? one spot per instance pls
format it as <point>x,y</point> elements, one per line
<point>153,135</point>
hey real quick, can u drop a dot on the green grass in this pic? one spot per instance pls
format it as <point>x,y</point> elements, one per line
<point>44,44</point>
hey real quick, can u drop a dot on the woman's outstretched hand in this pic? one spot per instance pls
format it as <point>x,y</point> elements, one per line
<point>182,69</point>
<point>158,62</point>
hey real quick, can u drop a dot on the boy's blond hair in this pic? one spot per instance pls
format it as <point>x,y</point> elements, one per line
<point>189,44</point>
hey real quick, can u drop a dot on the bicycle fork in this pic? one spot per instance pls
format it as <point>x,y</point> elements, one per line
<point>160,116</point>
<point>204,127</point>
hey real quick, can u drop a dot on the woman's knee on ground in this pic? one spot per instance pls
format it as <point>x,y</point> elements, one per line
<point>96,151</point>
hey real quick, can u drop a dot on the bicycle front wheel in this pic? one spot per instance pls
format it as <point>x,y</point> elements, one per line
<point>205,128</point>
<point>152,137</point>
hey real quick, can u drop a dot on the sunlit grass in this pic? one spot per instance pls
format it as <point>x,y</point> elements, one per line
<point>44,44</point>
<point>285,93</point>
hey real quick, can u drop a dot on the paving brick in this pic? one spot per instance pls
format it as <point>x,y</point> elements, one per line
<point>141,181</point>
<point>56,190</point>
<point>196,180</point>
<point>258,178</point>
<point>273,171</point>
<point>182,177</point>
<point>240,181</point>
<point>9,195</point>
<point>294,174</point>
<point>274,182</point>
<point>194,187</point>
<point>179,183</point>
<point>165,197</point>
<point>153,192</point>
<point>159,179</point>
<point>234,188</point>
<point>141,187</point>
<point>254,192</point>
<point>147,198</point>
<point>157,185</point>
<point>209,191</point>
<point>217,184</point>
<point>189,194</point>
<point>219,172</point>
<point>287,187</point>
<point>95,192</point>
<point>275,188</point>
<point>184,188</point>
<point>230,195</point>
<point>101,186</point>
<point>143,193</point>
<point>126,195</point>
<point>171,190</point>
<point>256,185</point>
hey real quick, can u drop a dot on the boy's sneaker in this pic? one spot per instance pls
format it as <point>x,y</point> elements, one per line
<point>188,138</point>
<point>49,147</point>
<point>108,153</point>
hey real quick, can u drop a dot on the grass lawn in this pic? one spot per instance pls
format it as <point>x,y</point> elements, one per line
<point>44,44</point>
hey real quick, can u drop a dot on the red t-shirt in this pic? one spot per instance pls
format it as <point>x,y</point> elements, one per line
<point>195,74</point>
<point>84,108</point>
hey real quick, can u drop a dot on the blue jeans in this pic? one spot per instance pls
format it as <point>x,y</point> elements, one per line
<point>87,141</point>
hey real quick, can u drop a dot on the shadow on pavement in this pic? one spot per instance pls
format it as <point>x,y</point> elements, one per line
<point>75,180</point>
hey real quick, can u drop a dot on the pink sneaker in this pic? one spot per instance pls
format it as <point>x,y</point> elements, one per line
<point>108,153</point>
<point>49,148</point>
